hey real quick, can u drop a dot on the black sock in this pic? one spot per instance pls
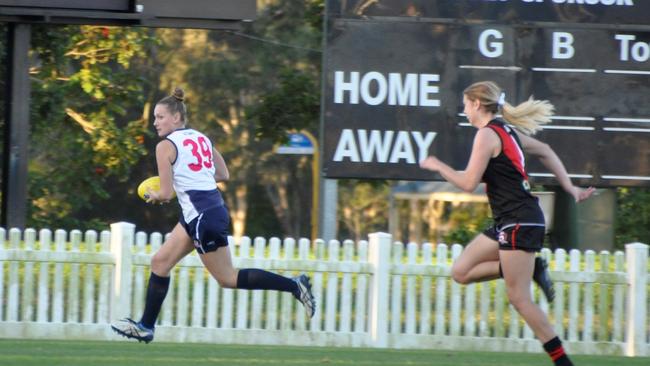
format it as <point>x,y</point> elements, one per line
<point>556,352</point>
<point>156,292</point>
<point>257,279</point>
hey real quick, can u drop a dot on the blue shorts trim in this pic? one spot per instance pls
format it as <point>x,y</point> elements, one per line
<point>209,230</point>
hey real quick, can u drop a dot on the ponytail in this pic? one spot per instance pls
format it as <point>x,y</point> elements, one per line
<point>526,117</point>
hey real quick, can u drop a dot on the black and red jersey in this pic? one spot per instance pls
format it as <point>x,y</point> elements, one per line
<point>507,184</point>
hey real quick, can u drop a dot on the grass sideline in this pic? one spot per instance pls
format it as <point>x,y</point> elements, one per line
<point>119,353</point>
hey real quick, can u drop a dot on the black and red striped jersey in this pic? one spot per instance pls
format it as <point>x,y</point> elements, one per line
<point>506,181</point>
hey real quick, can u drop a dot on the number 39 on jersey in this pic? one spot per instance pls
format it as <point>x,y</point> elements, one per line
<point>201,150</point>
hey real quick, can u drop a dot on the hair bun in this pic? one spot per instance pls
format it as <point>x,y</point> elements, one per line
<point>178,94</point>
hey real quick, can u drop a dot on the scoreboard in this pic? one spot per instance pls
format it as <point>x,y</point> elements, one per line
<point>394,72</point>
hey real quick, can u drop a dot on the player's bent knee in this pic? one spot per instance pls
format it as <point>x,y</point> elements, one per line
<point>459,275</point>
<point>226,279</point>
<point>226,283</point>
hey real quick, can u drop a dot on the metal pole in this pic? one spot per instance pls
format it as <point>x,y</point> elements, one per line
<point>329,187</point>
<point>328,215</point>
<point>315,176</point>
<point>14,157</point>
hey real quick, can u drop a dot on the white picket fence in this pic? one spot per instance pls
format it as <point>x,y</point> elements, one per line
<point>369,294</point>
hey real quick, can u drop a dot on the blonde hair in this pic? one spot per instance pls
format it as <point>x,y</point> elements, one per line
<point>175,103</point>
<point>526,117</point>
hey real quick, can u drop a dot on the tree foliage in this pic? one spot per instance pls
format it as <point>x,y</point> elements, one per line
<point>632,216</point>
<point>83,90</point>
<point>293,105</point>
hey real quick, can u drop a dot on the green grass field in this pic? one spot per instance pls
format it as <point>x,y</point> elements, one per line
<point>87,353</point>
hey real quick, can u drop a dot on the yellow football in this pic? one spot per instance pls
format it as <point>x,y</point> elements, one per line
<point>151,183</point>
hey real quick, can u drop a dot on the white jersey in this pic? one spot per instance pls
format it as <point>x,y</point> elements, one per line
<point>193,173</point>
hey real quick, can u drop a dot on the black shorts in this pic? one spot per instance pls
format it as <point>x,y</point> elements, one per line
<point>526,237</point>
<point>209,230</point>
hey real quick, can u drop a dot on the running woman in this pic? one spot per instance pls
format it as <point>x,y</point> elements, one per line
<point>189,165</point>
<point>508,248</point>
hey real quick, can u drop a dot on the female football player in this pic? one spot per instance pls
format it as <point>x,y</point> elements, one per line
<point>508,248</point>
<point>189,165</point>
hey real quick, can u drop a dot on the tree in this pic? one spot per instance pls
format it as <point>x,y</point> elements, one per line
<point>82,131</point>
<point>293,105</point>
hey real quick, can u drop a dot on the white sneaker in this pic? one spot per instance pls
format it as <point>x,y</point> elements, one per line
<point>131,329</point>
<point>304,294</point>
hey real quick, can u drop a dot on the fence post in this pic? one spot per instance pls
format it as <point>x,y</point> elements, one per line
<point>122,237</point>
<point>637,277</point>
<point>379,259</point>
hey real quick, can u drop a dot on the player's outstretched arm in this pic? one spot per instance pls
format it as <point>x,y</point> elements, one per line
<point>552,162</point>
<point>485,144</point>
